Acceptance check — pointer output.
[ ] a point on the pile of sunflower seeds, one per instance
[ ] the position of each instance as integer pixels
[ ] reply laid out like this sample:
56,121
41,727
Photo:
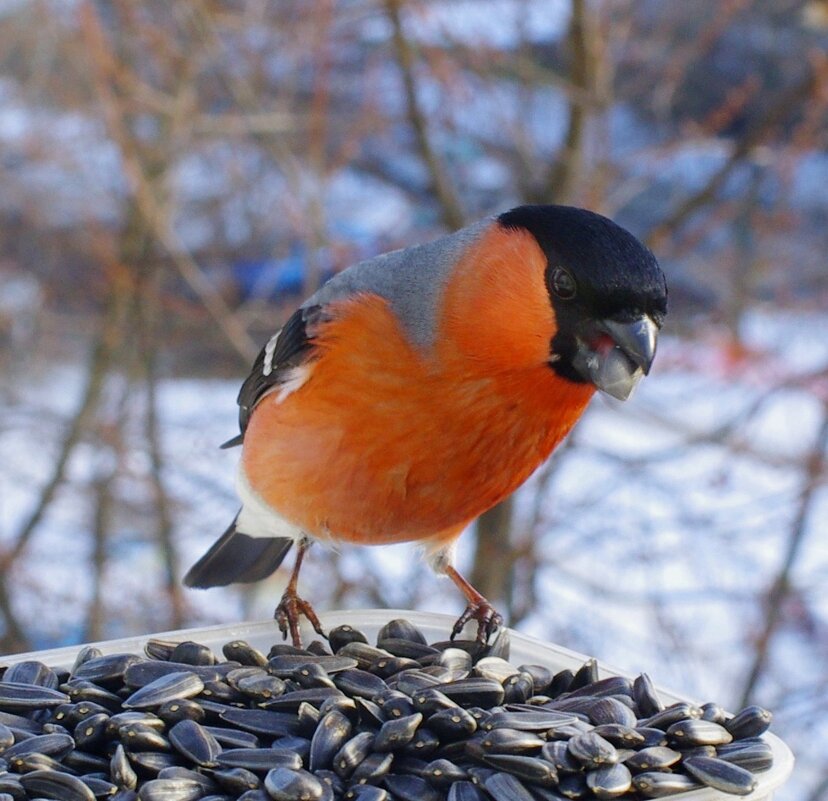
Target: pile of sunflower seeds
403,719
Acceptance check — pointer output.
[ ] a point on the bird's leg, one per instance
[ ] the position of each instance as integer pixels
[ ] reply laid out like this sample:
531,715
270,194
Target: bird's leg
478,608
292,606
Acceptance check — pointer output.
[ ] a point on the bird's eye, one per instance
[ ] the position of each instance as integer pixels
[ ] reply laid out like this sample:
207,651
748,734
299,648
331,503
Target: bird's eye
563,284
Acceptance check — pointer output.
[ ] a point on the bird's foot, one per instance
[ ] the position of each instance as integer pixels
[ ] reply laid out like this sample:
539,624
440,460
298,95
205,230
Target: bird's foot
487,617
287,614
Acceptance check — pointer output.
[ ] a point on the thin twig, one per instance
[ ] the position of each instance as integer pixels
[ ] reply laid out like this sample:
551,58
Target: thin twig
781,587
786,104
96,374
148,325
96,616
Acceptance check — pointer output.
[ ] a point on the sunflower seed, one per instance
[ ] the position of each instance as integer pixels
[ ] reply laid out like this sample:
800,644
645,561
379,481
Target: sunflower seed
721,775
340,636
27,763
561,682
408,649
285,666
121,770
259,760
620,735
592,750
397,733
194,742
495,668
646,697
517,689
192,653
333,731
53,784
364,654
310,675
31,672
54,745
452,724
91,732
714,712
372,768
284,784
19,697
681,710
106,669
168,687
528,769
508,741
505,787
653,758
233,738
750,722
609,781
411,788
149,763
474,691
652,737
171,712
262,721
359,683
352,753
558,754
756,757
140,737
430,700
245,654
465,791
142,673
656,784
293,700
237,780
101,788
698,732
170,790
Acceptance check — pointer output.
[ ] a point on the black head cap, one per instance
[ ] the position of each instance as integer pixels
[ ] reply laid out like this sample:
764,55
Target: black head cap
615,273
596,271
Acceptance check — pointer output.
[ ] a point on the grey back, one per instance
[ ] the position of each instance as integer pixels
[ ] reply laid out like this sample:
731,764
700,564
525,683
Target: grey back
412,280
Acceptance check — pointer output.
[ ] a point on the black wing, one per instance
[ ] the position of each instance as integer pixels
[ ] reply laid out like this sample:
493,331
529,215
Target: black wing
293,347
237,557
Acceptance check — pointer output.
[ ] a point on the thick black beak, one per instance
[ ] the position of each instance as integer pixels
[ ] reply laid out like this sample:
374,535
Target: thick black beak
616,368
637,339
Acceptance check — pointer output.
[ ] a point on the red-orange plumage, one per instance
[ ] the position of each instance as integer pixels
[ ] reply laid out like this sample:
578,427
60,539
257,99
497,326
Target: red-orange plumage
387,442
417,389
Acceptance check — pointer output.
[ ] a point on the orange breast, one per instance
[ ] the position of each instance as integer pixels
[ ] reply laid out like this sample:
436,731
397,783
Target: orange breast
387,443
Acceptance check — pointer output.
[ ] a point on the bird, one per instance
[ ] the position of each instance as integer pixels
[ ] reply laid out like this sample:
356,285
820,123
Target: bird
416,390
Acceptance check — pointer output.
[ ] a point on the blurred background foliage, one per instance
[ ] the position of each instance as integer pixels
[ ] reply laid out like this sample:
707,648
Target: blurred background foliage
175,176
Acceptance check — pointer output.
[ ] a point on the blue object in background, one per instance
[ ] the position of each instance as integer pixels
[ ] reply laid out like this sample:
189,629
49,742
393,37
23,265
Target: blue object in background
273,278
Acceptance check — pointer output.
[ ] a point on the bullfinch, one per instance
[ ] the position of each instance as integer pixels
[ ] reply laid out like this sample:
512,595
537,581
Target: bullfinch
417,389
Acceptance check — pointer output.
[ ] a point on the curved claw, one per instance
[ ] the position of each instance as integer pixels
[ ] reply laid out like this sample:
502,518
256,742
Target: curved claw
487,617
287,615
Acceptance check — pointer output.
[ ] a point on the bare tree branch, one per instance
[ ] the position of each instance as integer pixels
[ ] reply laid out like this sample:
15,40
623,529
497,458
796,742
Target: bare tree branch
563,175
146,190
450,206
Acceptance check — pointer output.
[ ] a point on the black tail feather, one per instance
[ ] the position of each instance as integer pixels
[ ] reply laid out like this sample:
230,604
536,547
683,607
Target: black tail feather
237,557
